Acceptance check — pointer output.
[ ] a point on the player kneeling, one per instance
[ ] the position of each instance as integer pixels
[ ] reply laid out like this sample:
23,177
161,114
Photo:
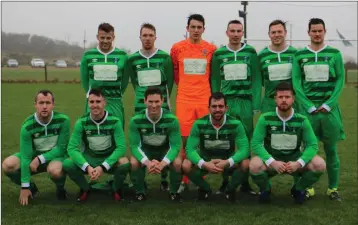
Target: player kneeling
104,148
276,142
217,144
155,143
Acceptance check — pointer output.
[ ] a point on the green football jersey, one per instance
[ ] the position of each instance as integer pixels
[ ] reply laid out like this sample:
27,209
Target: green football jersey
101,139
275,67
236,74
104,71
47,141
155,138
318,77
155,70
275,138
206,142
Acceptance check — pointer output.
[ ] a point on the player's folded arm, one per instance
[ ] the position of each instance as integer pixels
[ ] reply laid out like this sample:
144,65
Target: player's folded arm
311,143
175,142
134,142
242,145
26,150
192,146
74,146
120,149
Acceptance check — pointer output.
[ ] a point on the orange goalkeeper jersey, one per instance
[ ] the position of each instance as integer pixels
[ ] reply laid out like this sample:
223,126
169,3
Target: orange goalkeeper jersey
191,64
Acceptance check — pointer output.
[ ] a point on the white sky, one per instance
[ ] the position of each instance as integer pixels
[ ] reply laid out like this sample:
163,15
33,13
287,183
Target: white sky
68,20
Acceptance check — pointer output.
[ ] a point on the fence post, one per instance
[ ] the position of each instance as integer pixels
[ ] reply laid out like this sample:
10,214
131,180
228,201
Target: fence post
45,72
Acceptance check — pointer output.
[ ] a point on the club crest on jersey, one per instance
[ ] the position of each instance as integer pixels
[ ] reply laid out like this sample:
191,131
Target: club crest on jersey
246,59
94,60
115,60
326,59
158,65
273,128
290,59
205,52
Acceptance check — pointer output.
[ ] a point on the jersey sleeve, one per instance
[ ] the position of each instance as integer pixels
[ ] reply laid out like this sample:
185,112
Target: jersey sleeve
74,147
258,140
26,151
125,76
120,149
256,82
135,142
60,149
192,146
84,73
174,56
340,73
310,141
242,145
174,142
169,72
215,79
297,86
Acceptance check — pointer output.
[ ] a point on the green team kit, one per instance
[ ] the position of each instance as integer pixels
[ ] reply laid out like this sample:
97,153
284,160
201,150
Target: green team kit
236,75
106,72
48,142
318,79
104,145
206,142
278,139
275,67
155,70
158,140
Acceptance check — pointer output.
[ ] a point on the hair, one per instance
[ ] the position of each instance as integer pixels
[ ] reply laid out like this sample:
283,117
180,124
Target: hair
217,96
197,17
153,91
106,27
284,86
96,92
277,22
315,21
45,92
148,26
234,22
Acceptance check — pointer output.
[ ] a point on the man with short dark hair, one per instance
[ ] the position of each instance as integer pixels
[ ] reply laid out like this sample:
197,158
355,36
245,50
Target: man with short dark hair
318,78
103,67
276,143
104,148
234,71
217,144
43,141
155,144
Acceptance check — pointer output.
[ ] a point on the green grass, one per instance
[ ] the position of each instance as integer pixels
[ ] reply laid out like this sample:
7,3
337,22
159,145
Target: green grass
17,104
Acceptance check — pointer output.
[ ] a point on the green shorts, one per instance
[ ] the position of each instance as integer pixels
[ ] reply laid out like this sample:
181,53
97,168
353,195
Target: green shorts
93,161
114,106
242,109
42,167
328,127
269,105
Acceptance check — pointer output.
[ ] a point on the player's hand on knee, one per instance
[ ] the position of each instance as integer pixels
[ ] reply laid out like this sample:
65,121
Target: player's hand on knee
35,163
98,171
279,166
24,196
212,168
151,166
292,167
160,166
91,172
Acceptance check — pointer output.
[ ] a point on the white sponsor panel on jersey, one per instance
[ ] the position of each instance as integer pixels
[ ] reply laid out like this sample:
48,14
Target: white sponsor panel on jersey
235,71
105,72
316,73
154,140
44,144
283,141
149,78
100,143
280,71
195,66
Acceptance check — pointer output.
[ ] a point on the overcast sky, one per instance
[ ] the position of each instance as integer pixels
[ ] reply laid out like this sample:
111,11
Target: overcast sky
68,20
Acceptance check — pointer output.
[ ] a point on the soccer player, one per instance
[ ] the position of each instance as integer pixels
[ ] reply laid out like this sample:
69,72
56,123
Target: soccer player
276,143
148,67
191,62
104,148
234,71
155,144
275,64
318,78
217,144
43,141
102,68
